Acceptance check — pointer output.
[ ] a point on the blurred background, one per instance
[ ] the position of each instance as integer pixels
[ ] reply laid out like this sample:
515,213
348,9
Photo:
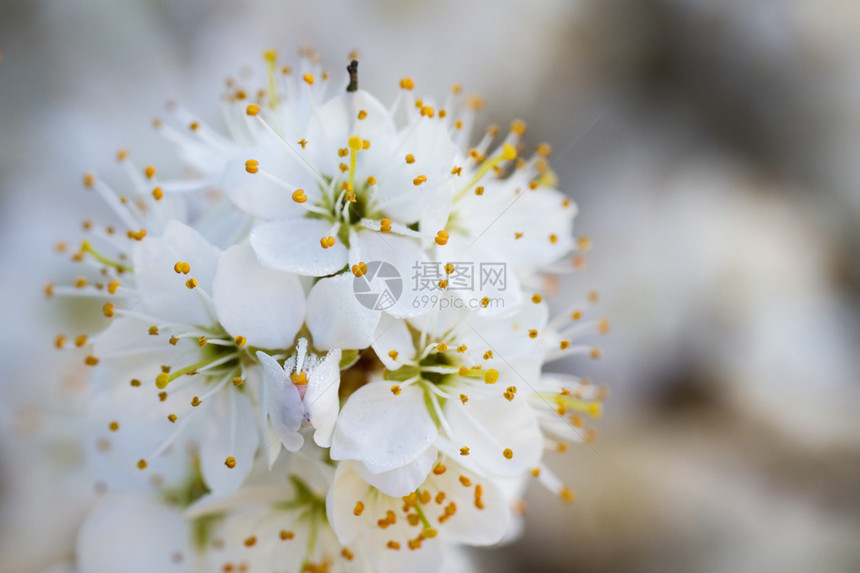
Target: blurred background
713,150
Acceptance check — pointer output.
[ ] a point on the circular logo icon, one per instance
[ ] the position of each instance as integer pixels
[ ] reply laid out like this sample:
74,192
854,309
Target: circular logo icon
380,287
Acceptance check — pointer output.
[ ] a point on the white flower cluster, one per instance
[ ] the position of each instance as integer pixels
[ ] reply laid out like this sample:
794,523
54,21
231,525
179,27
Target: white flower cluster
349,282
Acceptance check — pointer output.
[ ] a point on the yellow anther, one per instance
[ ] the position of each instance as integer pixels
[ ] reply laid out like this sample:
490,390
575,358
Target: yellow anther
195,401
347,554
518,127
327,242
427,111
343,152
476,102
135,382
595,353
465,481
365,144
354,142
443,284
536,298
458,124
449,268
60,340
419,180
270,55
359,508
346,185
240,340
194,126
441,347
385,225
309,79
230,462
456,171
407,84
464,451
252,109
464,398
81,282
360,269
603,326
172,418
508,453
149,171
396,390
191,283
162,396
362,114
141,464
566,495
162,380
303,142
108,309
371,180
393,354
491,376
299,196
485,301
553,238
393,545
509,152
112,286
493,130
153,330
250,541
89,180
410,158
238,381
286,535
158,194
80,340
479,190
441,238
533,333
442,114
113,426
462,348
173,340
252,166
463,371
299,378
122,155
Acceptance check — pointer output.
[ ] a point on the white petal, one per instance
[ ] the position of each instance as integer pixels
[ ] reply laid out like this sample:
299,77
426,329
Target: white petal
401,257
321,397
348,487
294,245
337,119
425,559
134,534
335,317
162,290
470,525
511,424
265,306
230,431
403,480
283,403
382,430
392,334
